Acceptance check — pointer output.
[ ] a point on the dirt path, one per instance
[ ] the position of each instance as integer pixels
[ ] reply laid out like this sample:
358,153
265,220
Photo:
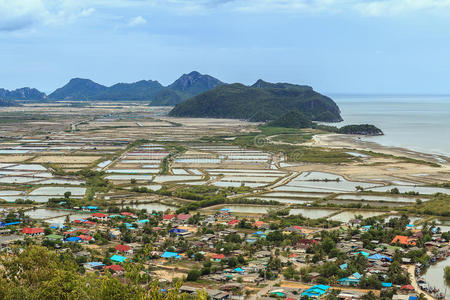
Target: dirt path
264,290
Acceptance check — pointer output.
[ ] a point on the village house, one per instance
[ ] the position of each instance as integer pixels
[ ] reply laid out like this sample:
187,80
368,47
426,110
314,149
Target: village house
32,231
100,217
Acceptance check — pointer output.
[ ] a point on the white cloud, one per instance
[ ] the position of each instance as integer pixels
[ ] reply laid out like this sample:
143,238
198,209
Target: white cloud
402,7
136,21
363,7
16,15
87,12
22,14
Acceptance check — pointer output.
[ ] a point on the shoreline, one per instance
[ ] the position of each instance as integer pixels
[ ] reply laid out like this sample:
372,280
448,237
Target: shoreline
334,140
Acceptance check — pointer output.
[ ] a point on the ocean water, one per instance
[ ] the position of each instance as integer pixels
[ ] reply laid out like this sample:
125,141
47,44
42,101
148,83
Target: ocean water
419,123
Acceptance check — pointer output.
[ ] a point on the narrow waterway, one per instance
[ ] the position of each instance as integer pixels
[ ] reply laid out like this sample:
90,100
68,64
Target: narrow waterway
434,276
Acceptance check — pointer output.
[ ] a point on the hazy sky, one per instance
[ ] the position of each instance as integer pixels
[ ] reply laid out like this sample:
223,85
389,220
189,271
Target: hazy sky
336,46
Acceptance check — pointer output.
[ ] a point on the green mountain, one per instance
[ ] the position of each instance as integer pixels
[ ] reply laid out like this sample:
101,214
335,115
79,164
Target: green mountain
262,101
292,119
194,83
141,90
167,97
185,87
78,89
22,94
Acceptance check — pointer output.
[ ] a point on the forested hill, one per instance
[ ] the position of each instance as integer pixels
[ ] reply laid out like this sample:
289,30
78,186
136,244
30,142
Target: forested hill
262,101
22,94
188,85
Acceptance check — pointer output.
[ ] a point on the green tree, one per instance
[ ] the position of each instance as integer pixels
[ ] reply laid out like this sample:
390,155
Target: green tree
193,275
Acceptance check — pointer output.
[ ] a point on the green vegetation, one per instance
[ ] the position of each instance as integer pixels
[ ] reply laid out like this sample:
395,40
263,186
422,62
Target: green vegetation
291,119
439,206
361,129
293,138
260,102
294,153
402,158
166,160
39,273
296,119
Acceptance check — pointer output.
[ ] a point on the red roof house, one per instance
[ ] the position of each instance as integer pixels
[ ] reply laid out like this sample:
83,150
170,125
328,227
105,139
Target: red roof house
306,243
127,214
233,222
218,256
168,217
123,248
184,217
407,287
99,216
115,268
258,224
85,237
404,240
32,231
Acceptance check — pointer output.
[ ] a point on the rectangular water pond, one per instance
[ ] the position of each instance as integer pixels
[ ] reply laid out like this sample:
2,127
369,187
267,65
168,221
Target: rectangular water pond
248,209
133,171
58,190
129,177
416,189
237,184
312,213
346,216
380,198
168,178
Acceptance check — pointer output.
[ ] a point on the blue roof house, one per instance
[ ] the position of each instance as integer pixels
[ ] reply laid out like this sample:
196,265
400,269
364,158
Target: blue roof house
316,291
363,253
168,254
118,258
73,239
94,265
351,280
9,224
379,257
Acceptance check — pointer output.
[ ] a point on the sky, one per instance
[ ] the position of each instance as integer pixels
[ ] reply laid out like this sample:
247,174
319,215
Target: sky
336,46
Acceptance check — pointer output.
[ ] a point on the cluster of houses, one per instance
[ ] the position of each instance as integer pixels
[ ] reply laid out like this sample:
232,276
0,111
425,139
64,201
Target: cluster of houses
239,270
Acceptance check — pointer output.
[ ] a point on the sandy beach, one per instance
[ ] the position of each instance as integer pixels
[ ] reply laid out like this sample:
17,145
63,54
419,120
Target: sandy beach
354,142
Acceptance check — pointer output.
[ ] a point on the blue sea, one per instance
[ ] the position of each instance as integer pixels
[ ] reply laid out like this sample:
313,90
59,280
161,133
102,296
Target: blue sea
419,123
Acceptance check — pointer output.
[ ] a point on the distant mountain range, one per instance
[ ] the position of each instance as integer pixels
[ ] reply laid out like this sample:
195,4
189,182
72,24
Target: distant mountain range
262,101
79,89
22,94
198,95
186,86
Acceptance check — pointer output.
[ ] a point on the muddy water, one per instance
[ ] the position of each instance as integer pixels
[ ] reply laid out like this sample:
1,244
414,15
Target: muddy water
435,276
